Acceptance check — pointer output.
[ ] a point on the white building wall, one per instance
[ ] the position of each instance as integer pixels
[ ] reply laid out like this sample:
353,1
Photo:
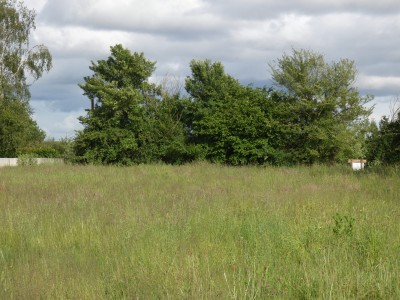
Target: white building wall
7,162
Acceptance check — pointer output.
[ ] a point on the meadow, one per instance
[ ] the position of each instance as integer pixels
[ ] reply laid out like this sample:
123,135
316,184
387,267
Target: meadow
199,231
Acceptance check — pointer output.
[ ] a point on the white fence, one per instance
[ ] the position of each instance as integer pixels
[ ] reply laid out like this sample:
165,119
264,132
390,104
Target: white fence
6,162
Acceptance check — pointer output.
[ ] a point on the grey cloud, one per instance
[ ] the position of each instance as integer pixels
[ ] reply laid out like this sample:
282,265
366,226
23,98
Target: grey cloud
60,97
378,93
133,18
383,68
260,9
60,87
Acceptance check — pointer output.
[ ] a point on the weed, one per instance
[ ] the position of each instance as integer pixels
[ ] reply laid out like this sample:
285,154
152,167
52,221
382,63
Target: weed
27,160
343,225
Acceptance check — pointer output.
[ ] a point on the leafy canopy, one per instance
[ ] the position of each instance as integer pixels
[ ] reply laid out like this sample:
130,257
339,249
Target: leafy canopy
323,111
20,65
229,121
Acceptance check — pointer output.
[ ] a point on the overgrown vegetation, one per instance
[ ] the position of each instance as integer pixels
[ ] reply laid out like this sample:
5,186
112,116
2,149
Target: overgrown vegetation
198,231
50,149
315,116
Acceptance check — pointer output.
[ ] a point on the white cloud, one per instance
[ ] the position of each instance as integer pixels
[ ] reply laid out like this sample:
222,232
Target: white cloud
288,28
169,17
379,82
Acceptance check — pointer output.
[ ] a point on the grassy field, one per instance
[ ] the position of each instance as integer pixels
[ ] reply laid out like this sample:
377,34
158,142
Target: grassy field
198,232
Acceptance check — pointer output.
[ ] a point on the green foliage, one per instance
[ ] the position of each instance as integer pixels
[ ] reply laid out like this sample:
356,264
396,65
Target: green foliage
229,121
383,143
19,63
17,129
130,122
343,225
27,160
48,149
40,151
317,117
322,112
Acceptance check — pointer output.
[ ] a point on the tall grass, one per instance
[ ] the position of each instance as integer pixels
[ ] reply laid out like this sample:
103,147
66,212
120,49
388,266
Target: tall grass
198,231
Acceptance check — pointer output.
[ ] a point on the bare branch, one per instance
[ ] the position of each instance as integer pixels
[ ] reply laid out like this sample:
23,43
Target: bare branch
394,108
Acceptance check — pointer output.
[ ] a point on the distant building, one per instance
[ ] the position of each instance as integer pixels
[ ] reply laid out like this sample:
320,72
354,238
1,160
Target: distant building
357,164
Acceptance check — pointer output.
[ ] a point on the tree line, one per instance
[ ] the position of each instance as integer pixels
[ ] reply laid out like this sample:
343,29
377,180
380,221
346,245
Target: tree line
314,113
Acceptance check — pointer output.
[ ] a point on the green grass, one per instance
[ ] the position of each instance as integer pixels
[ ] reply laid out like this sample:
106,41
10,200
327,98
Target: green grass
198,231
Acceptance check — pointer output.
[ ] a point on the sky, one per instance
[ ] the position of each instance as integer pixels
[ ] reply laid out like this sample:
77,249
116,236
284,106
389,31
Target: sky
246,36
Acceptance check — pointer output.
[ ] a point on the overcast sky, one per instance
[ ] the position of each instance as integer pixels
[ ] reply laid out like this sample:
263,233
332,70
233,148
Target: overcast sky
244,35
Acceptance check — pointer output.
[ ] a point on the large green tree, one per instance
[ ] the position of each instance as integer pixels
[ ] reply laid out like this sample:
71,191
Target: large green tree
20,65
131,120
230,122
322,112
